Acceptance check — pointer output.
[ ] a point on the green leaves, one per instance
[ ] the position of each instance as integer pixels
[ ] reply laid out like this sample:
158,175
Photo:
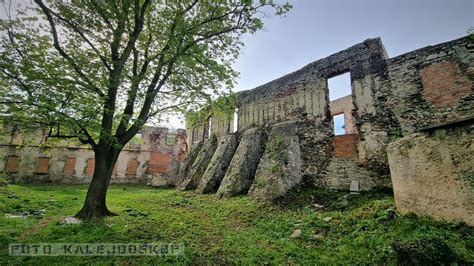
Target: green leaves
102,69
222,106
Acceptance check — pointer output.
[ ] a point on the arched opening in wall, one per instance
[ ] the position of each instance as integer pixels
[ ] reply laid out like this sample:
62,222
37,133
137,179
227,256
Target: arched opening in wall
236,120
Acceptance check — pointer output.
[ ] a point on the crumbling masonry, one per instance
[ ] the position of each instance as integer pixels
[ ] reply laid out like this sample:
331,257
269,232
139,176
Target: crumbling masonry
419,104
29,157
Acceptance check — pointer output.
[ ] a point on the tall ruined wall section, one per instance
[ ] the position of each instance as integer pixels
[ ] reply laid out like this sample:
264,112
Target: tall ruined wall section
304,96
431,92
420,105
30,158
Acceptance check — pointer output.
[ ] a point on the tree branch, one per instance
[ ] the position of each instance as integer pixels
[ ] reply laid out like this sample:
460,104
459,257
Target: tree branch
78,31
56,45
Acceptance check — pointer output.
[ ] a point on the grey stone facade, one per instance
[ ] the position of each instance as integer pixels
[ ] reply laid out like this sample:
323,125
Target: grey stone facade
390,98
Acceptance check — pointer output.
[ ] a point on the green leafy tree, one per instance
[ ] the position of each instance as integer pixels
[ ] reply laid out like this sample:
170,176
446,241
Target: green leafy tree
99,70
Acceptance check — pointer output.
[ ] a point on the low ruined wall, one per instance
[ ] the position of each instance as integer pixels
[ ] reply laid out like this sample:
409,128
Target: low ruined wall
34,161
433,173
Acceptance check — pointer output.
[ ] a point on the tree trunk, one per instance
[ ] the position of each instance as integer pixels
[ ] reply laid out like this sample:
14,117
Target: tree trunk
95,207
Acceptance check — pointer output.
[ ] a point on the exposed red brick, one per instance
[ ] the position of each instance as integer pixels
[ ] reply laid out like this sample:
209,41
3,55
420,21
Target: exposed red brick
132,167
159,162
444,85
90,167
69,166
12,164
345,146
42,165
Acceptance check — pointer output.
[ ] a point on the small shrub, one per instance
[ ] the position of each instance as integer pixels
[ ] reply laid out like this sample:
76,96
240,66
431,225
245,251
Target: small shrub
273,167
425,250
260,182
395,134
3,180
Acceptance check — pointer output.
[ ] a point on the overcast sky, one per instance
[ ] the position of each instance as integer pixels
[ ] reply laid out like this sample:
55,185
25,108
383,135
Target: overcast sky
314,29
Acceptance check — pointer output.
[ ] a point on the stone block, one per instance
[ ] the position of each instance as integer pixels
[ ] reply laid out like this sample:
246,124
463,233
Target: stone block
218,165
199,165
279,169
188,162
433,174
354,186
241,172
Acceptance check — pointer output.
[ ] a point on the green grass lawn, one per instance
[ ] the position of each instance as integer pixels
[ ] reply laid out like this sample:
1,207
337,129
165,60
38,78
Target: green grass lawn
359,230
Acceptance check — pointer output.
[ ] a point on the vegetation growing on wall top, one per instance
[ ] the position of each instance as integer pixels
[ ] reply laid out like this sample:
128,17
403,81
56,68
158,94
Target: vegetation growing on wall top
222,106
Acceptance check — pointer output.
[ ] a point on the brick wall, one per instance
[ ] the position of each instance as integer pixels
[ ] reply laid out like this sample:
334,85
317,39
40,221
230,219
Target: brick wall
69,166
431,86
344,106
90,166
159,162
345,146
72,164
42,165
132,167
444,85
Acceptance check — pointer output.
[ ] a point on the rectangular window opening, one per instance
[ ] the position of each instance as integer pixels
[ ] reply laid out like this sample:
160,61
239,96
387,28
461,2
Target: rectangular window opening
339,86
209,129
12,164
339,125
236,120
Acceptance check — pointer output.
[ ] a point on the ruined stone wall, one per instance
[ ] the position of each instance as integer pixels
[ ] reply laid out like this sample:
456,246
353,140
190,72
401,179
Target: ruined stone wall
30,158
218,125
431,93
221,125
197,132
286,125
302,97
432,86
